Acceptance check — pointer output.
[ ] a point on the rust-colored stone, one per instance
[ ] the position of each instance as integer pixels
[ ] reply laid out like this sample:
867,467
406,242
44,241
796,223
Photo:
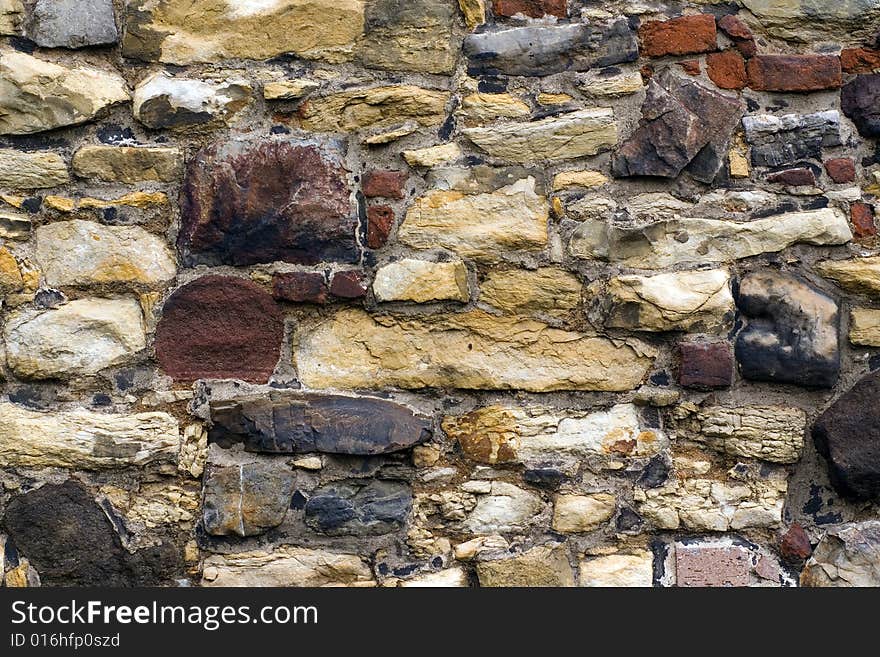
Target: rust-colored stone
532,8
862,219
348,285
734,27
219,327
705,365
726,69
794,546
794,72
380,219
860,60
793,177
251,201
300,286
841,170
688,35
385,183
690,66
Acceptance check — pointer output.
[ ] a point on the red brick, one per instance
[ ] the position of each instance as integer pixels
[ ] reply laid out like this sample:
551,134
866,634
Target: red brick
691,66
734,27
747,47
793,177
862,218
841,169
711,566
726,69
688,35
794,546
794,72
859,60
385,183
533,8
705,365
380,219
348,285
300,286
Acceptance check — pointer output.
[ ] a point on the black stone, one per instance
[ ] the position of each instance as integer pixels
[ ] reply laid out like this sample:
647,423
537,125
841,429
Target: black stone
860,101
359,507
655,473
793,138
548,478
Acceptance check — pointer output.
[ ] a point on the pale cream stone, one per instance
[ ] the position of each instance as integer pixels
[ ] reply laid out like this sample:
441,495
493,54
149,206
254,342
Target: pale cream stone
864,327
574,514
541,566
21,170
11,18
376,107
448,578
193,450
586,178
287,566
163,101
128,164
432,156
618,570
288,89
309,463
421,281
847,555
553,99
506,508
859,275
595,84
544,290
482,107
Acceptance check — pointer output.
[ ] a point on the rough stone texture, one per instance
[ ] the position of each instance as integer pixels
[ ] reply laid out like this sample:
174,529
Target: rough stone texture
566,136
684,125
864,327
287,566
627,570
72,23
845,434
37,95
545,290
791,336
582,513
187,31
21,170
846,556
711,565
859,60
687,35
698,300
793,177
780,140
76,339
375,108
472,350
246,499
308,422
859,275
858,101
300,287
127,164
794,72
162,101
83,253
421,281
841,169
85,440
11,17
384,183
546,49
358,508
727,69
804,20
705,365
540,566
380,222
219,327
533,8
259,200
861,216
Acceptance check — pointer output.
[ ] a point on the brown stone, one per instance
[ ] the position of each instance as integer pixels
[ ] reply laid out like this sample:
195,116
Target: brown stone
841,169
348,285
862,219
300,286
261,200
794,546
859,60
688,35
386,183
705,365
726,69
691,66
533,8
711,565
794,72
219,327
793,177
380,219
734,27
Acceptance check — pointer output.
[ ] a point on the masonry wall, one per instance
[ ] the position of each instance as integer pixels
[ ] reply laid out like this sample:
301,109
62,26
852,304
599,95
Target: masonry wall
426,292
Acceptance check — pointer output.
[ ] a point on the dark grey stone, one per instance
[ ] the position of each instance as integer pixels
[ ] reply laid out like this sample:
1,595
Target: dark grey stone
72,23
246,499
780,140
860,101
359,507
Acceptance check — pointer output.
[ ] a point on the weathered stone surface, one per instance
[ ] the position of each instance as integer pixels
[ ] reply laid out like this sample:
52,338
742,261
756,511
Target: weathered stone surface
545,290
348,284
380,222
76,339
20,170
769,433
846,435
507,508
432,155
36,95
743,39
574,514
547,49
246,499
219,327
687,35
248,201
794,72
375,108
859,101
606,84
474,12
85,253
162,101
858,275
359,507
448,578
533,8
72,23
793,177
10,274
481,107
40,523
421,281
848,555
283,89
300,286
711,565
127,164
478,225
540,566
469,350
684,126
705,365
410,35
85,440
697,241
794,546
190,31
11,17
862,217
542,437
567,136
631,570
860,60
726,69
307,422
791,335
696,300
586,178
286,566
385,183
864,327
781,140
803,20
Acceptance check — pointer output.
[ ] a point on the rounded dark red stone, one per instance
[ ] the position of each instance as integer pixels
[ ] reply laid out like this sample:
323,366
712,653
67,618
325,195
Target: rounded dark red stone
219,327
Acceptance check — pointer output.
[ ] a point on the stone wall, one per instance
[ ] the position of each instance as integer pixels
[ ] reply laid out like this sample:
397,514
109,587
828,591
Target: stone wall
439,292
